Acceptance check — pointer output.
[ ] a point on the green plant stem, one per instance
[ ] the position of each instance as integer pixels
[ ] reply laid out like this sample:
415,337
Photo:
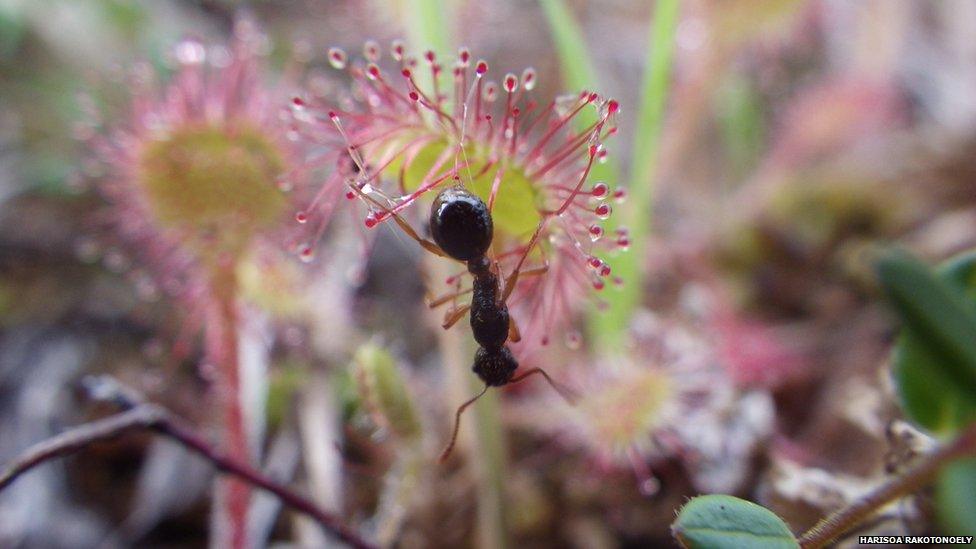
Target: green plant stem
913,480
577,66
610,327
481,437
429,27
490,467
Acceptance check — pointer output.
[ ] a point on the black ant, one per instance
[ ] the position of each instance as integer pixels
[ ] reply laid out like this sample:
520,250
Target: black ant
462,228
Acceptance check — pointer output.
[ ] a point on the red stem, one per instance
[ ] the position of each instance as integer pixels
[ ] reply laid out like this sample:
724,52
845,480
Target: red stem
222,352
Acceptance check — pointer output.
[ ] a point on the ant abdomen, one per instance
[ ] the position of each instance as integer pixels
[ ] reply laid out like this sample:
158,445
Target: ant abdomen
495,367
460,223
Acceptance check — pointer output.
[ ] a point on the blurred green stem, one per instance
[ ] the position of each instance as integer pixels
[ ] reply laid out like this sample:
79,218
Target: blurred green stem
609,328
485,451
579,73
430,28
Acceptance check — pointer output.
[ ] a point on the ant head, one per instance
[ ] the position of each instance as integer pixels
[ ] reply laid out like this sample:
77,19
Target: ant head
494,367
461,224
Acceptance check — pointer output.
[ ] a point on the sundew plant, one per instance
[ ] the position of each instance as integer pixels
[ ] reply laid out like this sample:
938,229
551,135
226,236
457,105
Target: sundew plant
487,274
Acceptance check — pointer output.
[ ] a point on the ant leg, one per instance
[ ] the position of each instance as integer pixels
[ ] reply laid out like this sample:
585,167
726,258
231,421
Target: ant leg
567,394
516,274
514,335
513,278
454,315
457,425
437,302
404,226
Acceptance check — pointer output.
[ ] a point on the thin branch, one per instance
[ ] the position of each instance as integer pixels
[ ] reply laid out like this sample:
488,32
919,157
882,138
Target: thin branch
844,520
152,417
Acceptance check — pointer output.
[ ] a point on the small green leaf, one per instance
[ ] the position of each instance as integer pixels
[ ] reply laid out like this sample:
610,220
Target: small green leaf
956,497
726,522
961,271
928,396
937,318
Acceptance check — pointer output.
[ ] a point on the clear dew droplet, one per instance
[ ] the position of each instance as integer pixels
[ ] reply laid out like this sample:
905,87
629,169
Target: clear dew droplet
306,253
620,194
370,220
529,78
371,50
596,232
600,189
396,50
337,58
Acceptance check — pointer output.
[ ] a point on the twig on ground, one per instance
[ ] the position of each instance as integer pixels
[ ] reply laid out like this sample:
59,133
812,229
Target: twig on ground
847,518
142,416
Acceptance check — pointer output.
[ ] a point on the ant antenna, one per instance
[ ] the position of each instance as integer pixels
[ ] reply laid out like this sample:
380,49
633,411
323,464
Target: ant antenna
568,395
457,425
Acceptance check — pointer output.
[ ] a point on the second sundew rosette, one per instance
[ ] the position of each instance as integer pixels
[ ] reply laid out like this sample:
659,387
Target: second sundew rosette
198,180
406,128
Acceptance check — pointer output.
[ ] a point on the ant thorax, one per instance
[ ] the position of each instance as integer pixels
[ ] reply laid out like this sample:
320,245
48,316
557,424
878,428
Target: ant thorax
489,316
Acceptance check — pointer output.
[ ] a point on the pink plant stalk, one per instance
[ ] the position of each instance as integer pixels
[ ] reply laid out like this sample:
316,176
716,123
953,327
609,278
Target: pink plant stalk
399,136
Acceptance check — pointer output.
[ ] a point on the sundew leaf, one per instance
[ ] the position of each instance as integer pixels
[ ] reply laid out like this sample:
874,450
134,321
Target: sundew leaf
956,497
727,522
516,208
935,357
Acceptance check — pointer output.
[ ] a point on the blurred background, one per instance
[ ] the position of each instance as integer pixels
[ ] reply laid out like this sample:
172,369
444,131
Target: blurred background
794,137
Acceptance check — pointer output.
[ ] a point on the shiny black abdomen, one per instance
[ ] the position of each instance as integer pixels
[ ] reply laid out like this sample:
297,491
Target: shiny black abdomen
460,224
